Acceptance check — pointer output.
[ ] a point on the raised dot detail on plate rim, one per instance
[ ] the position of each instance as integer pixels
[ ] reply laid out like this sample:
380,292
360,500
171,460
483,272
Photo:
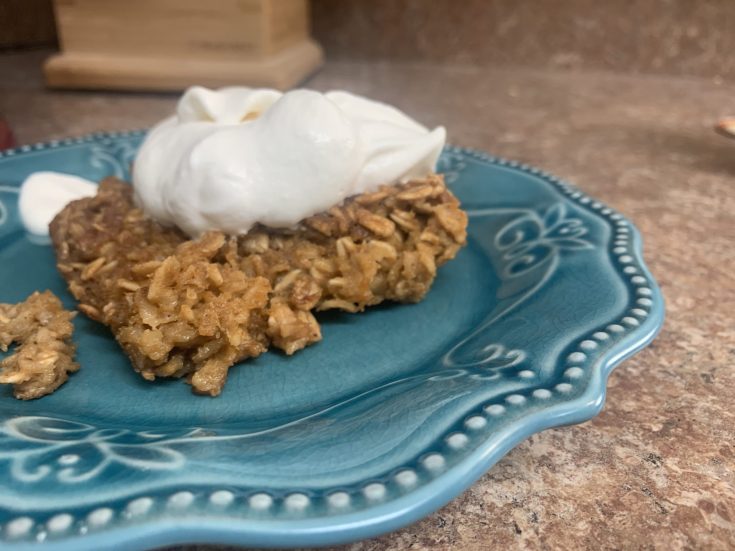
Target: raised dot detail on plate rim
296,501
181,500
457,440
515,399
374,491
576,357
406,478
574,372
19,527
630,269
588,345
639,312
494,410
646,291
542,393
260,501
639,280
100,517
475,422
564,387
139,506
629,320
645,301
615,328
526,374
625,259
60,523
620,250
339,499
601,336
433,461
221,498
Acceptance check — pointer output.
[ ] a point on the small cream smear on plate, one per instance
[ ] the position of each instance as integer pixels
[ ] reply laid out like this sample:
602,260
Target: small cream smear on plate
44,194
232,158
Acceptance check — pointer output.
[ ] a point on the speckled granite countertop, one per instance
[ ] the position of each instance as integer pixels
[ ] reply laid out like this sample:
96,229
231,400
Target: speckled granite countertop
656,470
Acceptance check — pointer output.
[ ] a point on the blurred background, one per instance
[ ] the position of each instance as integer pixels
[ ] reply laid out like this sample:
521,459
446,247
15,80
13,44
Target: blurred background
681,37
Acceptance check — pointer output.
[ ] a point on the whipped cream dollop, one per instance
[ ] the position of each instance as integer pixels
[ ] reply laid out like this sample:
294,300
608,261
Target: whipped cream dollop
44,194
236,157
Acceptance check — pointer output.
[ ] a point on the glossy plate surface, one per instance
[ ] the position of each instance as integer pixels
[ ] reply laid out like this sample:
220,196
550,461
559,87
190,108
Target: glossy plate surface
393,414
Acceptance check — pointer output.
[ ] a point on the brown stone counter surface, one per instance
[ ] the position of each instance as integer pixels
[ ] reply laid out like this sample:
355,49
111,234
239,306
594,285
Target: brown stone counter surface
656,469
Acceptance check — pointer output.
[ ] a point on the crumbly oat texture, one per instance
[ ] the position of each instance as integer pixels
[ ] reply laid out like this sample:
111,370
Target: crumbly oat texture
193,308
44,356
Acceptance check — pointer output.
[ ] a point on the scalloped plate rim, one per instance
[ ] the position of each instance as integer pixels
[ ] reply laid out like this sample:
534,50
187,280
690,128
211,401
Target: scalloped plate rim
395,513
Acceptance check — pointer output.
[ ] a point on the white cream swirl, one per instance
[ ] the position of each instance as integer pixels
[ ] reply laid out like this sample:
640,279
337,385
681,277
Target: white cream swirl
236,157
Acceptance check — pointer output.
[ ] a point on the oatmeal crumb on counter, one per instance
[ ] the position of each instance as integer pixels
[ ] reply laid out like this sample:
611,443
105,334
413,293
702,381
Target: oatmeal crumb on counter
44,357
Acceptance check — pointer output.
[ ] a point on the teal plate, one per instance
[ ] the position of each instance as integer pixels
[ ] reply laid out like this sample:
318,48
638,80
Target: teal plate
393,414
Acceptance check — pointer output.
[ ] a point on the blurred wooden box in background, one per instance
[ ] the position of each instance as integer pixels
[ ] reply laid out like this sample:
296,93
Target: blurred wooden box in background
172,44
